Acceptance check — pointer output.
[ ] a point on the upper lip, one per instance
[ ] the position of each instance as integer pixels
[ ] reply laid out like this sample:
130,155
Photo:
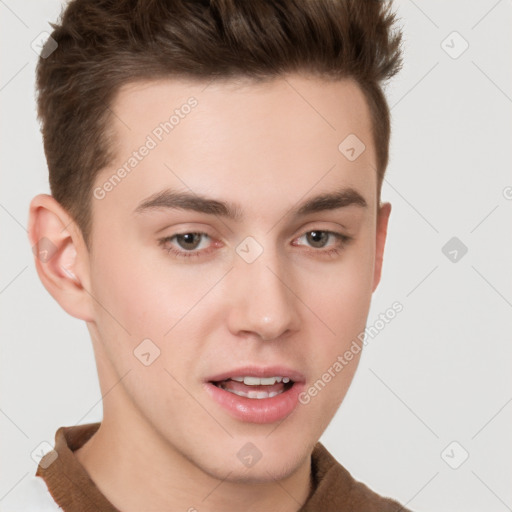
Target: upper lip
258,371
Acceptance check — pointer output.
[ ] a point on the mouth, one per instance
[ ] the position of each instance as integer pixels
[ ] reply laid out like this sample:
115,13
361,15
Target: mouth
255,387
257,395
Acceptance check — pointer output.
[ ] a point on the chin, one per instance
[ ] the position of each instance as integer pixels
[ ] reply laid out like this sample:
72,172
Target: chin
259,474
255,462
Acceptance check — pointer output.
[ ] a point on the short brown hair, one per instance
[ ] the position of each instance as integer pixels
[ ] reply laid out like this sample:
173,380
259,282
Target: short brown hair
104,44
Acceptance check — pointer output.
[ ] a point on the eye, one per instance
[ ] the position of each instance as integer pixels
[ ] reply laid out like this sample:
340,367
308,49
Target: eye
318,239
189,241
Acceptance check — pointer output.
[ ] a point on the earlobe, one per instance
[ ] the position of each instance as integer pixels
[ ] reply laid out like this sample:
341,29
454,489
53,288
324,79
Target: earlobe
60,256
380,241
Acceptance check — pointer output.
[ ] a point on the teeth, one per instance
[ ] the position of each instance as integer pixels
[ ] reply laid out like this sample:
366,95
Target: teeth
258,395
256,381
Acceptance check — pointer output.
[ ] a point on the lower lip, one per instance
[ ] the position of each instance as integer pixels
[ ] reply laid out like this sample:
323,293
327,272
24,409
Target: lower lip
254,410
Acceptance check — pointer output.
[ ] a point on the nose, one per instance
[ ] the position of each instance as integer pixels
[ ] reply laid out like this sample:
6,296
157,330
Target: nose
263,301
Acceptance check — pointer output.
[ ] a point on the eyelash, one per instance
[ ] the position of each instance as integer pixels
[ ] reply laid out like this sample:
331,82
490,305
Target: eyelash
343,239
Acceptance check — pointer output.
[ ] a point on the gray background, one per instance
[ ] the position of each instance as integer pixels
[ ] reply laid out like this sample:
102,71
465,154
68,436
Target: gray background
438,373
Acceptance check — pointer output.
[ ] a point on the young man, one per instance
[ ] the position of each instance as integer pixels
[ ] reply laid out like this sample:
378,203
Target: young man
216,220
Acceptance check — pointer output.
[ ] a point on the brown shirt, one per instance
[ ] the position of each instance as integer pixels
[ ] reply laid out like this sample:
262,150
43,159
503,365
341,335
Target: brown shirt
334,489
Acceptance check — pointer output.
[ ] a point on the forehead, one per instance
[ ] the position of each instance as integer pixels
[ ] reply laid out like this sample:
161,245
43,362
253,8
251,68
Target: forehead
305,105
240,139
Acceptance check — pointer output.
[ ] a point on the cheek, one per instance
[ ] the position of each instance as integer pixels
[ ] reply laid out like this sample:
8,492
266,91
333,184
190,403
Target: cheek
340,293
341,300
145,295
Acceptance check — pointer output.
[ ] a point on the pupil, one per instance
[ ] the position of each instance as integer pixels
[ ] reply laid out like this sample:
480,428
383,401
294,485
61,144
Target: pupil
189,239
318,236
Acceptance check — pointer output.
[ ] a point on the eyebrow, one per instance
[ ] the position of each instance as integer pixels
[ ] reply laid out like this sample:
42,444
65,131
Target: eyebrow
172,199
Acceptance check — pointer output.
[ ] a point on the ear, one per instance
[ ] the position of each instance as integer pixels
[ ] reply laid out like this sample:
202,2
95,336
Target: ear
60,256
381,232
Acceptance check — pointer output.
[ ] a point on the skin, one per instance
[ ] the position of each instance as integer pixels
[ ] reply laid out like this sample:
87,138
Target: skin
164,444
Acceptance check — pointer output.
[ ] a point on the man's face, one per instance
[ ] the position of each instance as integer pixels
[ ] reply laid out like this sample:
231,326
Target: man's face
274,287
